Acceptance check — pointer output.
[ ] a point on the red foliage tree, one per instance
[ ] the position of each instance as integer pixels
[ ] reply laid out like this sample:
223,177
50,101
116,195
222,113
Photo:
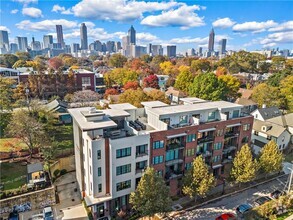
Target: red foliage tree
55,63
111,91
131,85
151,81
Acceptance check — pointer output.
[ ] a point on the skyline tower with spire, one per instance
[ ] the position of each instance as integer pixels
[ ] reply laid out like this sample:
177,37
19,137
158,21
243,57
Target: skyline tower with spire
211,40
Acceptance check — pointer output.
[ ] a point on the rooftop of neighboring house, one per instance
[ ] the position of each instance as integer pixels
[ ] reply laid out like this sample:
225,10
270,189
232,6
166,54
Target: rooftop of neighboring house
192,100
268,128
245,93
55,104
269,112
175,92
245,102
283,120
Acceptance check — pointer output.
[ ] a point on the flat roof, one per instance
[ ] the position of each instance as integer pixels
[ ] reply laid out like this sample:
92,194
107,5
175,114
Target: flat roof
192,100
85,125
153,104
122,106
116,113
168,110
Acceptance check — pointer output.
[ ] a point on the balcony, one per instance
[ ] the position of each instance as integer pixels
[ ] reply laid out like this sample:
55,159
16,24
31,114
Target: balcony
173,146
229,148
172,174
231,134
204,154
205,139
141,154
227,159
139,170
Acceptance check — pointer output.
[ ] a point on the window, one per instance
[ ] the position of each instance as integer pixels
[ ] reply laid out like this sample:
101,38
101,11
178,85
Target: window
123,185
141,149
99,154
86,81
99,171
183,119
246,127
216,158
158,144
256,133
188,166
269,137
158,159
190,152
218,146
100,188
190,138
90,154
90,169
172,155
141,165
124,152
235,114
123,169
245,139
219,132
211,115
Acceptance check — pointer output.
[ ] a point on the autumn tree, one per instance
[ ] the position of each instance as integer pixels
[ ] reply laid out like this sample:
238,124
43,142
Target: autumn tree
276,78
221,70
55,63
286,88
168,68
149,202
184,79
131,85
271,158
23,55
268,95
28,129
85,97
120,76
134,97
8,60
110,91
198,180
244,166
203,65
232,84
6,93
157,95
117,60
151,81
19,63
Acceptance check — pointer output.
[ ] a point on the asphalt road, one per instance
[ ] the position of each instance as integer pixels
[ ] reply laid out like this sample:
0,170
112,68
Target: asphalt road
229,204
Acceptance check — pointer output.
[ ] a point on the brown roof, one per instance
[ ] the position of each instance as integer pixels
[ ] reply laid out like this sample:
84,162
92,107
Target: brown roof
273,129
246,93
175,92
284,120
245,102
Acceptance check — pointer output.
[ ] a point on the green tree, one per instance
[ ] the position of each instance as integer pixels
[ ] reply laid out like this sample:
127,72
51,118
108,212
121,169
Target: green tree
232,84
151,195
286,88
268,95
28,129
203,65
276,78
6,93
117,60
207,86
244,166
134,97
23,55
8,60
184,79
198,180
271,158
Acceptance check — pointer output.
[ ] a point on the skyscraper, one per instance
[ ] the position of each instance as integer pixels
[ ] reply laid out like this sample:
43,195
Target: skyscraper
74,47
59,31
222,46
4,41
83,37
211,40
22,43
171,51
131,35
47,40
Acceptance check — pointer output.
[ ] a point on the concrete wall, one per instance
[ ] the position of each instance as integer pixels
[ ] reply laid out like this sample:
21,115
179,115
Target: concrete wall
67,163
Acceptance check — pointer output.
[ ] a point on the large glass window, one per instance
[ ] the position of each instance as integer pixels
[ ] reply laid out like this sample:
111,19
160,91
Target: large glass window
123,169
141,149
158,144
190,138
158,159
218,146
124,152
172,154
216,158
246,127
190,152
99,171
235,114
212,115
86,81
188,166
183,119
123,185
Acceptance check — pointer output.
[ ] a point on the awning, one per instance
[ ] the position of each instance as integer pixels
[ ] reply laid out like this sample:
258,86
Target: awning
217,166
208,129
233,125
176,135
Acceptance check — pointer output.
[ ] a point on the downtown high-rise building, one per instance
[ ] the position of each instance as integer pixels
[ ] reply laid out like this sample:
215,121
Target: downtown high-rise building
35,45
222,46
132,35
59,32
47,40
74,47
83,37
4,40
211,40
22,43
171,51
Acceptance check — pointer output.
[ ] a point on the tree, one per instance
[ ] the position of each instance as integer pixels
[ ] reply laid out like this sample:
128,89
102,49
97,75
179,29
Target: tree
110,91
85,96
244,166
121,76
55,63
286,88
157,95
131,85
184,79
8,60
207,86
263,67
221,70
198,180
151,81
168,68
232,84
6,93
117,60
271,158
23,55
134,97
202,65
28,129
268,95
19,63
276,78
151,195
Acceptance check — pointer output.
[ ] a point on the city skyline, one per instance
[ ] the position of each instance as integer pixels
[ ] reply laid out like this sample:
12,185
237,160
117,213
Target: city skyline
155,22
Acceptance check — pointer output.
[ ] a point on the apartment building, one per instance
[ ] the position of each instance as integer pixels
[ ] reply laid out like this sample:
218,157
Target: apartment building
113,146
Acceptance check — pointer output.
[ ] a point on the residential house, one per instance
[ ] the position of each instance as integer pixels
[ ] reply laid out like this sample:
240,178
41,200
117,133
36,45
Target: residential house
249,105
264,114
174,95
60,108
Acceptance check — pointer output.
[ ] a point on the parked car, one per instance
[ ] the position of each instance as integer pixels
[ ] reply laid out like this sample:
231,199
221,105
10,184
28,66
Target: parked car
276,194
261,200
48,213
226,216
243,208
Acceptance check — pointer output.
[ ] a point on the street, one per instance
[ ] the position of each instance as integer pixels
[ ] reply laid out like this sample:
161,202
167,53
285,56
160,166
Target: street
229,204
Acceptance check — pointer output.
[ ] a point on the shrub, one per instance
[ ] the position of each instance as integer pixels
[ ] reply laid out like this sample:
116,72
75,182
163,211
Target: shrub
56,173
63,171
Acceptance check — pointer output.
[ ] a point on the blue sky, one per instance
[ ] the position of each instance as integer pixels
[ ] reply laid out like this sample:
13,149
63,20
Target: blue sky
247,25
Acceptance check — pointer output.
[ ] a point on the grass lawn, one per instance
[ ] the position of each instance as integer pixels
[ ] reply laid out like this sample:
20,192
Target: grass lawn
9,144
12,172
284,216
64,135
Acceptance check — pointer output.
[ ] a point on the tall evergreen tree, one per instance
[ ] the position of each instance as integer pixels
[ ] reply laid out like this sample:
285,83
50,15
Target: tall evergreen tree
244,166
151,195
271,158
198,180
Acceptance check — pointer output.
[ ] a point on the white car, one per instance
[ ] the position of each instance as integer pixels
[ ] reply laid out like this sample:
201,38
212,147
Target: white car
48,213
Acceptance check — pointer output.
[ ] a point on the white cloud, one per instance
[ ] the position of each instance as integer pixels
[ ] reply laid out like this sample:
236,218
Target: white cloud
223,23
45,25
118,10
25,2
183,17
286,26
279,37
145,37
197,40
254,27
14,11
58,8
4,28
32,12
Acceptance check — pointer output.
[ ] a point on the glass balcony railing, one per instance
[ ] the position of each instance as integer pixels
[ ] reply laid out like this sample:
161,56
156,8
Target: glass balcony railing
205,139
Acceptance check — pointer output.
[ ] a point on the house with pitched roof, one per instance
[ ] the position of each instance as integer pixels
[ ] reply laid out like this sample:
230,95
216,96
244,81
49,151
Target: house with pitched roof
264,114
